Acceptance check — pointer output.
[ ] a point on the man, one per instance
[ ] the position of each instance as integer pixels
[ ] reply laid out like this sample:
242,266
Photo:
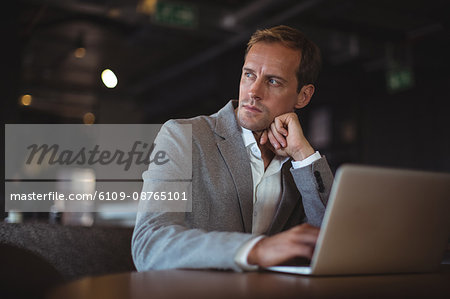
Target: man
259,189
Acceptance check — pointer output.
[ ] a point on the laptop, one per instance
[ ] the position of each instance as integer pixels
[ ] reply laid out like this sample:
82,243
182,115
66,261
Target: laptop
381,220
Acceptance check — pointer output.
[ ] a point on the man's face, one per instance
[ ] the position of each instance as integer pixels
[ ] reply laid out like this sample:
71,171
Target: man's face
268,85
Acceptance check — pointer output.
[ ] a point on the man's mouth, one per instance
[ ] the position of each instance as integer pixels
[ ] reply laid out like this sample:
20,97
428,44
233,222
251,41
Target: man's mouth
251,108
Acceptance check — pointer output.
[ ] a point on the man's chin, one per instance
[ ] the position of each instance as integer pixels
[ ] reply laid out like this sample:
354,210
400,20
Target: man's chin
255,124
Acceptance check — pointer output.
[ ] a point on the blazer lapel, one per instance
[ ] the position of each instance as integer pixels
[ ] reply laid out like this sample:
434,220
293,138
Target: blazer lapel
231,147
289,199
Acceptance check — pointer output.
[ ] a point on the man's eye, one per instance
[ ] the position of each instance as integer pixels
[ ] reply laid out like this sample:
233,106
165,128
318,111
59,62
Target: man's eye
274,82
248,75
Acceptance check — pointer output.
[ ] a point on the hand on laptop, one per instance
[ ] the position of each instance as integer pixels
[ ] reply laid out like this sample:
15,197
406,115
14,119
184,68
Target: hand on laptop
298,241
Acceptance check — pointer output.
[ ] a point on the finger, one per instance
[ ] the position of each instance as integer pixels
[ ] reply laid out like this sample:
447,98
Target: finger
263,139
291,250
273,140
276,253
306,227
304,234
280,138
280,248
280,126
311,231
306,239
303,251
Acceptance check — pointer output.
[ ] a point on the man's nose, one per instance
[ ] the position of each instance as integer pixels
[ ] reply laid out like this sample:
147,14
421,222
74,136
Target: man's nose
256,90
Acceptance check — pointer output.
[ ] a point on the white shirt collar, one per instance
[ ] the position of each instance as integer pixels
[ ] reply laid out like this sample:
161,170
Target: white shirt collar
250,141
248,137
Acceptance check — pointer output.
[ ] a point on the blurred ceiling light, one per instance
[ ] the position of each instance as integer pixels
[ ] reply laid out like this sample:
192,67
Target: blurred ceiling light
88,118
114,13
147,7
26,99
79,52
80,47
109,78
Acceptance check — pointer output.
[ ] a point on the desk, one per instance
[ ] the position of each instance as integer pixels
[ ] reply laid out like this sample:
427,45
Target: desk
222,284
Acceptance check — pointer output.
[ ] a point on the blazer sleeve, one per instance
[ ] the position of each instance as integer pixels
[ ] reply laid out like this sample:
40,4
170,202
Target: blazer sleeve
314,183
163,241
166,239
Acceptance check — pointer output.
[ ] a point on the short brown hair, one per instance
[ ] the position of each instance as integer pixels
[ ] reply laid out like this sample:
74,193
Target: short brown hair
310,62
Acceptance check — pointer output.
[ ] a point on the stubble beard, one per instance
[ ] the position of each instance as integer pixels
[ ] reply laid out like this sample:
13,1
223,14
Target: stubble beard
258,125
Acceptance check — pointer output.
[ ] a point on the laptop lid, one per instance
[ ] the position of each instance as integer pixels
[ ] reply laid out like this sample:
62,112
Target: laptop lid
382,220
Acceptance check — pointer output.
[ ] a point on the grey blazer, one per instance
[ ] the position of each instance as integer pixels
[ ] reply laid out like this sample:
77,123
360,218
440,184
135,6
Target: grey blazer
221,218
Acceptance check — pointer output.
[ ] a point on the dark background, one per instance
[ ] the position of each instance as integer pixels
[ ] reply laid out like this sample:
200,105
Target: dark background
167,70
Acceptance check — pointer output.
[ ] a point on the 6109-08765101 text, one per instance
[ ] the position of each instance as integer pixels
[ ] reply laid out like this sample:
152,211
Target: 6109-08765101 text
102,196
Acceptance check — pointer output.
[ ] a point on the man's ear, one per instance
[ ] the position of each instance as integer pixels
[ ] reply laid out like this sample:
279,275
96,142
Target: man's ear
304,96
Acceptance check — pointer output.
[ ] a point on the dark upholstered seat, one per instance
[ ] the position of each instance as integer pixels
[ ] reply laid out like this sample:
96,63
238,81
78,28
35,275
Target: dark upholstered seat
24,274
61,253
